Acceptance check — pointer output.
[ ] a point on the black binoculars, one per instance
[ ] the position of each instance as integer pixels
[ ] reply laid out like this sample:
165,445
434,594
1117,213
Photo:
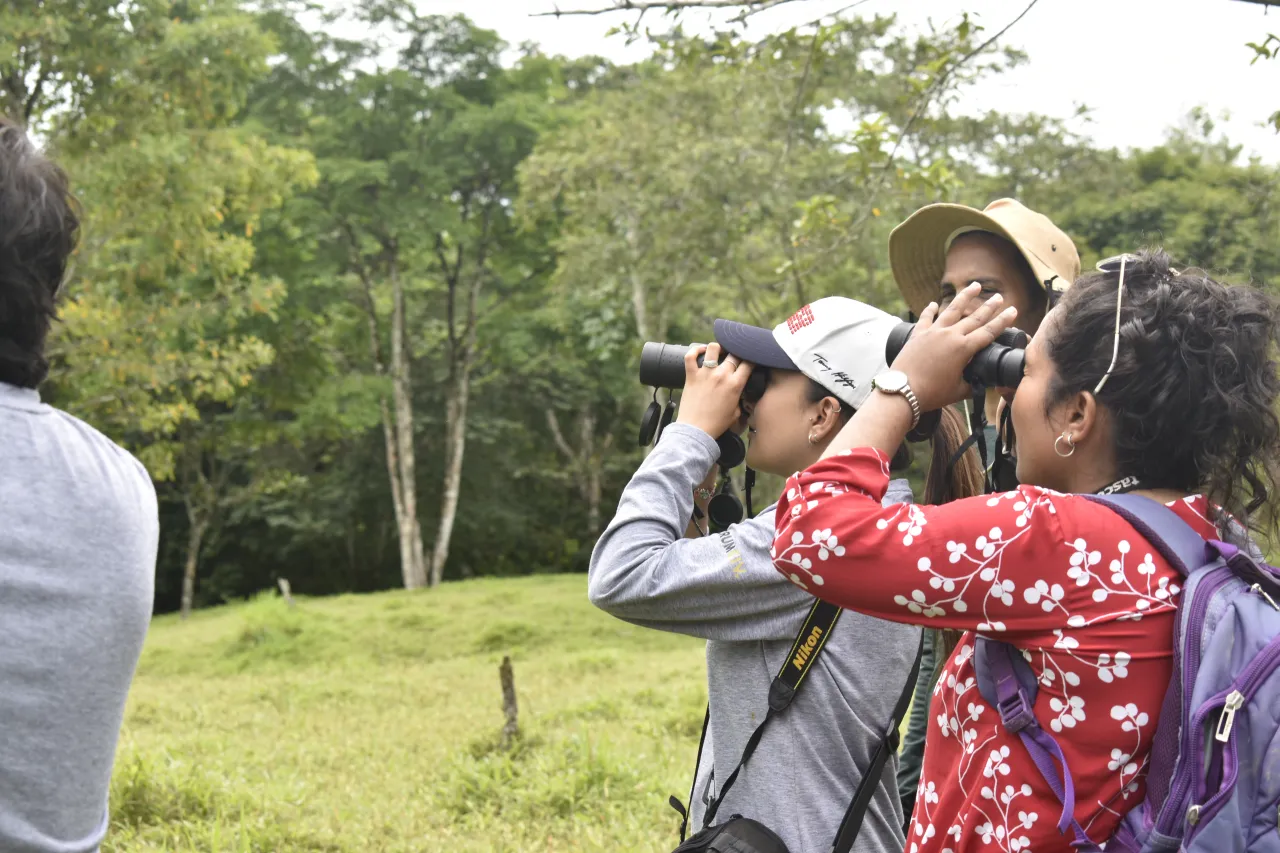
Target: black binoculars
998,365
662,366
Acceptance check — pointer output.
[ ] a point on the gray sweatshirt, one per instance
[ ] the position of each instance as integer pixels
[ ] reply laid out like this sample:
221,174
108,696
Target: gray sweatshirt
724,588
78,533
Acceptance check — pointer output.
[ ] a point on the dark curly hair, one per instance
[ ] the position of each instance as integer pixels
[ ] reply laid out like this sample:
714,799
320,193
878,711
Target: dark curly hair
39,225
1192,398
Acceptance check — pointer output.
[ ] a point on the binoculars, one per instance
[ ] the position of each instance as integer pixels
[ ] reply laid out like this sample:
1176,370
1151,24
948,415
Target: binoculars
1000,364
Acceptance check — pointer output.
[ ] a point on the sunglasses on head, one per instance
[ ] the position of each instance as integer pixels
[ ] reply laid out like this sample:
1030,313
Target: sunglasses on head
1117,264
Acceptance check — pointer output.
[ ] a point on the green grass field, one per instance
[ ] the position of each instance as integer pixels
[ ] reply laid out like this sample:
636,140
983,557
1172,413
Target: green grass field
369,723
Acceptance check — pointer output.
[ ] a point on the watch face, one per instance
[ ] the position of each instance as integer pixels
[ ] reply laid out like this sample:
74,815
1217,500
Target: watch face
892,381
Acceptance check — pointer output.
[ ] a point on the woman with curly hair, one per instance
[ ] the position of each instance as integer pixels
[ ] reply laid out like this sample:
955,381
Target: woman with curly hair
1162,383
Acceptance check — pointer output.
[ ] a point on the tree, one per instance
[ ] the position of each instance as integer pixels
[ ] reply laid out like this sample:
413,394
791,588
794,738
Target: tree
417,158
138,99
711,183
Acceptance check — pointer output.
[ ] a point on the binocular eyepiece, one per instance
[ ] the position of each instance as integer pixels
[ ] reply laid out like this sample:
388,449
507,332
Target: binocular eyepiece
998,365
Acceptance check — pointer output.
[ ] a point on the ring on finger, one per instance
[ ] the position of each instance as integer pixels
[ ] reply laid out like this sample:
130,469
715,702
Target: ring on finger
710,362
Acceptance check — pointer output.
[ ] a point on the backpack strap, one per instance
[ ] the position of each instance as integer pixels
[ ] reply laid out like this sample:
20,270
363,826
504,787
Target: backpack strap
1006,681
813,635
1176,541
1186,552
1005,678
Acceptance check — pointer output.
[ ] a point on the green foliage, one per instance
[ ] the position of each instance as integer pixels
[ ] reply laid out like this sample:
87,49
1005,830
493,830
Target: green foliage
157,803
253,180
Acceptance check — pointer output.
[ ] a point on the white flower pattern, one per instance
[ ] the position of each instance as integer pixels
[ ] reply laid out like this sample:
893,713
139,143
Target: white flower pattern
1003,566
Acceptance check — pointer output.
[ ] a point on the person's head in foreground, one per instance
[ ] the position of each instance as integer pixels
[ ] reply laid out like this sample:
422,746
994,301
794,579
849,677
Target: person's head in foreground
1163,385
1183,402
39,223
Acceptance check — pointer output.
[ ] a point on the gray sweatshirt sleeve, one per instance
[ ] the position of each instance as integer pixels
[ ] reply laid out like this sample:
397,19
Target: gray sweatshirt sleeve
718,587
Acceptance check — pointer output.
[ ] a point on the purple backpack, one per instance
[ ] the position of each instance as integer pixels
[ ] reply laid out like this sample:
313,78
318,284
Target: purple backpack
1213,785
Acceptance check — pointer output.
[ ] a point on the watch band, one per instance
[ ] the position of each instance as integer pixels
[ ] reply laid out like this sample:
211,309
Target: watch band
906,393
915,405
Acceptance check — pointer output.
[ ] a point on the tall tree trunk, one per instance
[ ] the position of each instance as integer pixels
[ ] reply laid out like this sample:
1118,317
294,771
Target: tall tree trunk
397,428
412,558
455,444
586,462
195,537
591,470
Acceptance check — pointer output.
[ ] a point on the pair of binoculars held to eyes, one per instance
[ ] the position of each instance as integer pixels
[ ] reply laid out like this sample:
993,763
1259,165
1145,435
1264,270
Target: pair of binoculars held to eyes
1000,364
662,366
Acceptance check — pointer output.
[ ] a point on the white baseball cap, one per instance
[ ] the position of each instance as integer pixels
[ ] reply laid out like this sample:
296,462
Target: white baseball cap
837,342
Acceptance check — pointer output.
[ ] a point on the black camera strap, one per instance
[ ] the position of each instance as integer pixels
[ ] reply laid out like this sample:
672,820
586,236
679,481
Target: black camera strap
888,746
804,652
813,635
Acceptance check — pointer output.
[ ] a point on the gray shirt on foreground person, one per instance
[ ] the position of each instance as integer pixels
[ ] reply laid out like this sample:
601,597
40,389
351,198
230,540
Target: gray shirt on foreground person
725,589
78,535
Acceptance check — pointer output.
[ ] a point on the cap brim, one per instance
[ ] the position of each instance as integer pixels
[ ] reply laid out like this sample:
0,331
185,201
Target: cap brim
753,344
918,249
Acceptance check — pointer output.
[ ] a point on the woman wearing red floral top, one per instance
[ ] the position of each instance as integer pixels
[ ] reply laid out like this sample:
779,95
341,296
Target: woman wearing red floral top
1182,411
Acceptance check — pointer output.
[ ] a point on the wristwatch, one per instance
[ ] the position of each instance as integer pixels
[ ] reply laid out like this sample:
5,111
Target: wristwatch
895,382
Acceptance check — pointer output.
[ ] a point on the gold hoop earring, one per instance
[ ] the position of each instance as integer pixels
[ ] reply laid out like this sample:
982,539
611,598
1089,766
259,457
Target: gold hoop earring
1070,443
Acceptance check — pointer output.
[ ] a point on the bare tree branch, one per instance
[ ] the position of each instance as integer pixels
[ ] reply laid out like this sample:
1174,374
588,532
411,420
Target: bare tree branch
554,423
923,102
749,7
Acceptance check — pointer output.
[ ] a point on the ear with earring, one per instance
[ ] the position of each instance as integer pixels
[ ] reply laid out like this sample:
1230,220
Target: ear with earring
812,440
1071,445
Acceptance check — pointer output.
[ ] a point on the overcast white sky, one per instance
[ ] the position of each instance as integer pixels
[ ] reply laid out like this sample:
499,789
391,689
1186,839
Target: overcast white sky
1140,64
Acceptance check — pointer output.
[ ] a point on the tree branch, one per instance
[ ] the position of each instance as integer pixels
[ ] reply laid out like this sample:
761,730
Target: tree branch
923,102
33,98
375,335
554,424
749,7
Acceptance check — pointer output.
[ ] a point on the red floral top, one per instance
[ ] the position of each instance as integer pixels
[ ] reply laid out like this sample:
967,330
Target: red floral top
1070,583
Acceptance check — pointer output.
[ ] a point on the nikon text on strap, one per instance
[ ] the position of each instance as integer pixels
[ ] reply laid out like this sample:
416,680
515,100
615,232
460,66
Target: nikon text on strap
813,635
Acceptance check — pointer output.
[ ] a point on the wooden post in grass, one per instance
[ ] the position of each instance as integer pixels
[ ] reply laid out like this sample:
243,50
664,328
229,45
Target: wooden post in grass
285,590
510,730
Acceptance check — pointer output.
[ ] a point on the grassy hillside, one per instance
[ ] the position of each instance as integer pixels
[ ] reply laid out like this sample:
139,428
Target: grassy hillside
369,723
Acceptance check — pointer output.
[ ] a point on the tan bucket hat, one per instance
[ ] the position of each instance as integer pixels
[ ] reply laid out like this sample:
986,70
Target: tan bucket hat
918,247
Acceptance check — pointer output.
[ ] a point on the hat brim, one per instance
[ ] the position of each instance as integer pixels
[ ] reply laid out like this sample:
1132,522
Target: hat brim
918,249
753,344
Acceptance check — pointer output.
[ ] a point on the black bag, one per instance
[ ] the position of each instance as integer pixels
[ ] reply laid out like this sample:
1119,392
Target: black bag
737,835
743,835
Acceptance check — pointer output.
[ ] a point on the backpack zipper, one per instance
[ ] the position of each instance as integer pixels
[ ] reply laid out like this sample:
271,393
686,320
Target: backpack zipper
1235,700
1238,694
1257,587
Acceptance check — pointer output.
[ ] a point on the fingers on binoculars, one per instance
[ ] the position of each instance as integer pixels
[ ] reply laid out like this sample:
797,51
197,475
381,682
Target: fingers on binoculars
927,316
980,315
993,321
962,304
